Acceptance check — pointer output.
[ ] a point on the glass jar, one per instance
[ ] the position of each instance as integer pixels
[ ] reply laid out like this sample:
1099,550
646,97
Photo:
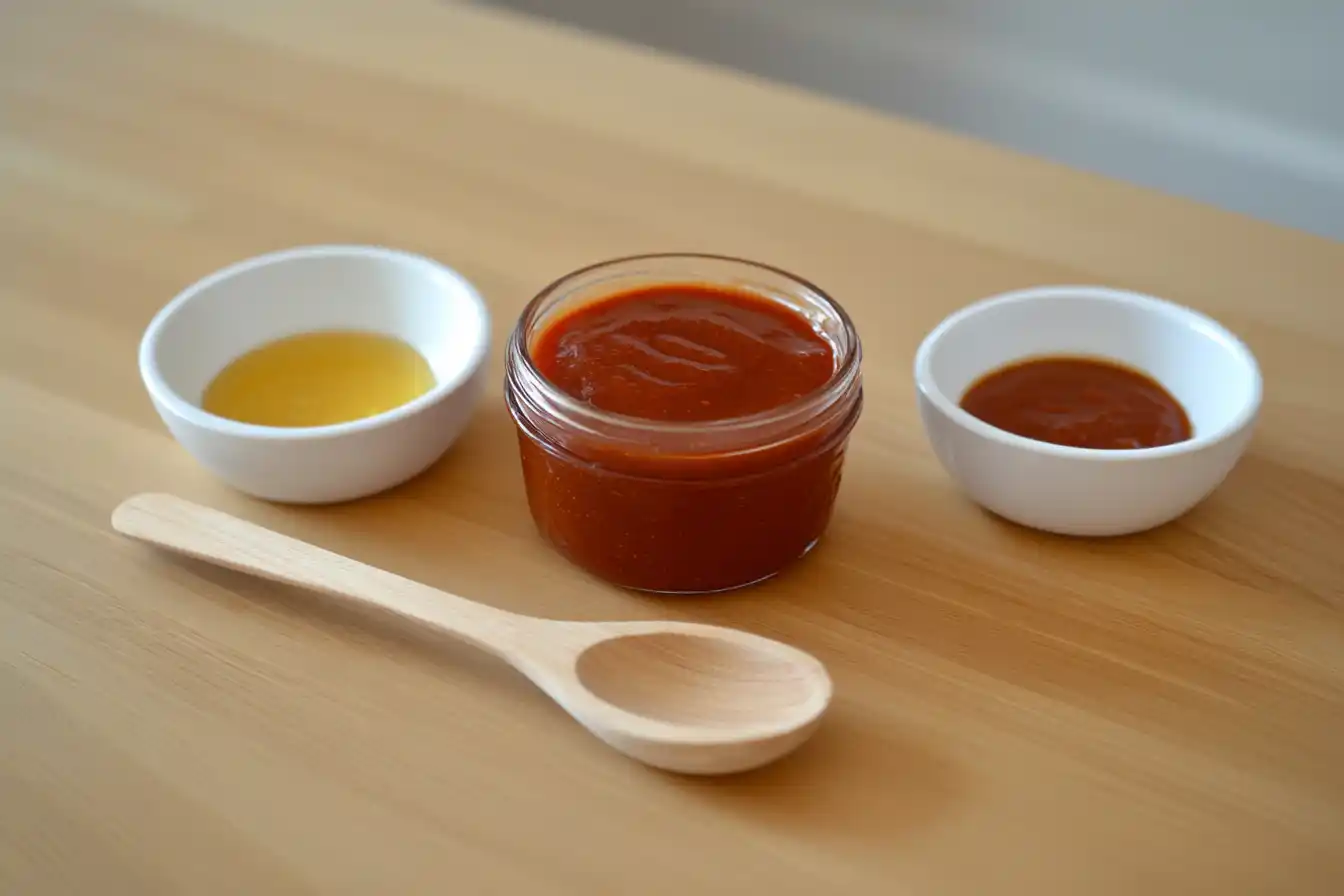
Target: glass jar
682,507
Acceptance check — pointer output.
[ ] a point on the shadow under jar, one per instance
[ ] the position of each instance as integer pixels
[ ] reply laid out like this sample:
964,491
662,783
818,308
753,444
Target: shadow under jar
649,497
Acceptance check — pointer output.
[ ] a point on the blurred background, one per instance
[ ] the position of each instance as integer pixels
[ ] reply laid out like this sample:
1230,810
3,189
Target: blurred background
1237,103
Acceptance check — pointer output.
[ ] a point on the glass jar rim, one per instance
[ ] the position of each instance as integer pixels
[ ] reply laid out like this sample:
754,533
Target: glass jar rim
845,373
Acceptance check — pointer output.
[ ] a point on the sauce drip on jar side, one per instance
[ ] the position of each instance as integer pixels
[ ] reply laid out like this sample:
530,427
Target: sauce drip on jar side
1078,402
684,353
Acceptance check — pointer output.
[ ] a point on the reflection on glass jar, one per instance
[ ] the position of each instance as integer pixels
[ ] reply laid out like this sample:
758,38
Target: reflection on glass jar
710,476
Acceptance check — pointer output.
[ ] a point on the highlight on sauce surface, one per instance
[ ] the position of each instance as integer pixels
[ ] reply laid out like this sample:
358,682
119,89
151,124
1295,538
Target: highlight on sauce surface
1079,402
684,353
705,449
319,379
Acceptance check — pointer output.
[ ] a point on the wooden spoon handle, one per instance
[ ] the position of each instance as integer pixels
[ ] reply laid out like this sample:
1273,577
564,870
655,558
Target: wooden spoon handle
216,537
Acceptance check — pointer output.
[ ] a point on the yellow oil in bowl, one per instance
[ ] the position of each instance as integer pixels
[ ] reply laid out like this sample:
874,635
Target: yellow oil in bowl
319,379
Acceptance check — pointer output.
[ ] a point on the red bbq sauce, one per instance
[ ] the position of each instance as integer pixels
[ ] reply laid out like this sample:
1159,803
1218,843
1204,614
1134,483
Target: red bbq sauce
1078,402
706,497
684,353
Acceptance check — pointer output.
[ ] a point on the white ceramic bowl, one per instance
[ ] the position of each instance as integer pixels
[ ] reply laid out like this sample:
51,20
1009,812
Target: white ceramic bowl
1080,491
299,290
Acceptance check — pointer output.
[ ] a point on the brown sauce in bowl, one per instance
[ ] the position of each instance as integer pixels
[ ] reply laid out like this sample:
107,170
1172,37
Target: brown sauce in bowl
1079,402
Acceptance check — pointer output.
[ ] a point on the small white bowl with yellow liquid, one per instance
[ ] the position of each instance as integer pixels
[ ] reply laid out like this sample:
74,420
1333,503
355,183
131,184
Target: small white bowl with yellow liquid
321,373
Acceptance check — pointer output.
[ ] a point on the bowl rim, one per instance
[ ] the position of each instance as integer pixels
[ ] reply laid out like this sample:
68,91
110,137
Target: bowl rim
458,288
1176,314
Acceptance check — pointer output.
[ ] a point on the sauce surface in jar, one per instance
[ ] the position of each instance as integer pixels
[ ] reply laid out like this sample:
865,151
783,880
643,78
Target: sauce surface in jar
684,353
669,474
1078,402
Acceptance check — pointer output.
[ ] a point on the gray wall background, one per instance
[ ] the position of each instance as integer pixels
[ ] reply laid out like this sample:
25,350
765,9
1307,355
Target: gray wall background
1238,103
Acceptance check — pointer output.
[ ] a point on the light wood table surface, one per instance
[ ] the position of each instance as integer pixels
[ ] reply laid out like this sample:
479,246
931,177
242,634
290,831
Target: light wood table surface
1160,714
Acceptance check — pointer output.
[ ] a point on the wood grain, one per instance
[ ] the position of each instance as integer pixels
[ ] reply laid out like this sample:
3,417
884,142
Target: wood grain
1014,713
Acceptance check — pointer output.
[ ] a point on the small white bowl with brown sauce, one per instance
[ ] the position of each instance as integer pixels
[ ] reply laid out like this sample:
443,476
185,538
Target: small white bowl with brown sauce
321,373
1084,410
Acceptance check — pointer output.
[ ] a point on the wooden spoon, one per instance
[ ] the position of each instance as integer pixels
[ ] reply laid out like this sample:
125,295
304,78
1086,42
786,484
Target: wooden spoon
697,699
